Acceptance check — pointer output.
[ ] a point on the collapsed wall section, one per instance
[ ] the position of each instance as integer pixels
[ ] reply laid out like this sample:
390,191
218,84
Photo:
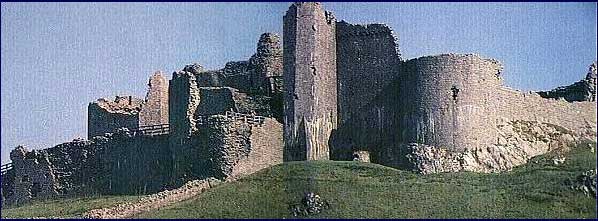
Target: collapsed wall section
310,93
584,90
253,76
105,116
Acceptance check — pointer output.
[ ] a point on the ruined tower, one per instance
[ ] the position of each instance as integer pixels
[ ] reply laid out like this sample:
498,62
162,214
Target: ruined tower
310,91
154,111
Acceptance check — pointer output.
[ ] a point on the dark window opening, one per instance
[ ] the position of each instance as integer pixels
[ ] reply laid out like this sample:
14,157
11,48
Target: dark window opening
35,189
455,92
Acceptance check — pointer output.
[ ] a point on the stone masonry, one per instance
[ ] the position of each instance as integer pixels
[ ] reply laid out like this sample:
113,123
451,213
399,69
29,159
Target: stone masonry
440,113
154,110
105,116
584,90
334,91
310,102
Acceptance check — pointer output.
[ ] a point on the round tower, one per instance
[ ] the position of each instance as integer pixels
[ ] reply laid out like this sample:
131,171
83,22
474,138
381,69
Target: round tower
447,100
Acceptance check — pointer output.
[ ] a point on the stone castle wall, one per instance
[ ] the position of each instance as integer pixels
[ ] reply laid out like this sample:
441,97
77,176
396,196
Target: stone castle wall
584,90
105,116
579,117
119,163
447,101
236,145
367,61
310,95
452,113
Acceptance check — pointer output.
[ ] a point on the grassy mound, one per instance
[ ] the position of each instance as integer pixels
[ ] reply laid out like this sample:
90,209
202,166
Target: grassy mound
363,190
67,207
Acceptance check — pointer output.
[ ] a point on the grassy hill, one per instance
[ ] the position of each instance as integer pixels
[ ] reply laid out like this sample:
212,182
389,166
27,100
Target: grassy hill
363,190
68,207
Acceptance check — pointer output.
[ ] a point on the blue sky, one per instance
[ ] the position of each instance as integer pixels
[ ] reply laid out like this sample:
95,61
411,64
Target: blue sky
57,57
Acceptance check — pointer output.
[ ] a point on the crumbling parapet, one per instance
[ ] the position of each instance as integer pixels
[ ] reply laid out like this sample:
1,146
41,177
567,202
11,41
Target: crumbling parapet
583,90
105,116
266,62
310,90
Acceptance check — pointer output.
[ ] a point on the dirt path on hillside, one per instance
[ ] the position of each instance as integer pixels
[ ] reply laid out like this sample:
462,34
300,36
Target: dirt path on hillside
154,201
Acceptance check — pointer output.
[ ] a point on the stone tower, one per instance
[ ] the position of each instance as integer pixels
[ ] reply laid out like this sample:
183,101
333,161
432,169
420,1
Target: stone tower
310,91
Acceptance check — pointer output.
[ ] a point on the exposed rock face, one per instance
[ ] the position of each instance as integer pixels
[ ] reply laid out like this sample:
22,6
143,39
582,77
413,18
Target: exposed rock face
518,142
584,90
311,204
361,156
586,183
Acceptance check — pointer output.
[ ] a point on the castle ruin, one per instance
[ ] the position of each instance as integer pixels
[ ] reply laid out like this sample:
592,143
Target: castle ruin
334,91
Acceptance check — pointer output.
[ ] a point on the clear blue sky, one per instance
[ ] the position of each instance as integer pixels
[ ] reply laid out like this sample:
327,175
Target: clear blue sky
57,57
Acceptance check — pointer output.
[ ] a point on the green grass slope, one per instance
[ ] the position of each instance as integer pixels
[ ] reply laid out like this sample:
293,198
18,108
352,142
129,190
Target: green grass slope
67,207
363,190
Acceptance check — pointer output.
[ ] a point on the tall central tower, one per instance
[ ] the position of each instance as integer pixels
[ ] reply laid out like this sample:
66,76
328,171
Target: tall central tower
310,94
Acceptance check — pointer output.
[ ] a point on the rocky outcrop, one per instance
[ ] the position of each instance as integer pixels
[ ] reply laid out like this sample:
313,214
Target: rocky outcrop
518,142
585,183
311,204
584,90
